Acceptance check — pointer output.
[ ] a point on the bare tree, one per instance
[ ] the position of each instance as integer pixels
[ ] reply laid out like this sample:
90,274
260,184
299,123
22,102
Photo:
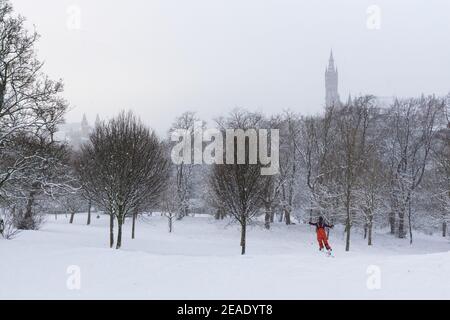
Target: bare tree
184,173
89,212
413,127
45,175
370,191
123,166
353,123
269,197
170,205
289,166
315,148
440,174
237,187
273,184
30,103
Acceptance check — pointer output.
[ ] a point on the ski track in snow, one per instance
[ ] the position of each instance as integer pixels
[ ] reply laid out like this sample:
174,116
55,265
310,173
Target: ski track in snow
201,260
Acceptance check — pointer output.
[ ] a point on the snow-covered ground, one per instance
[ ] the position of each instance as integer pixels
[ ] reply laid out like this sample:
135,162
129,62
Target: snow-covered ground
201,260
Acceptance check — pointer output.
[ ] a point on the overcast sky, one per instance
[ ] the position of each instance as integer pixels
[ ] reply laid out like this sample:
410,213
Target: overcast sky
162,57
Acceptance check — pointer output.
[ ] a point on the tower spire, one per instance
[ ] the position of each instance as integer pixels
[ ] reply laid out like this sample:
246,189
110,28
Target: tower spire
331,62
84,121
331,83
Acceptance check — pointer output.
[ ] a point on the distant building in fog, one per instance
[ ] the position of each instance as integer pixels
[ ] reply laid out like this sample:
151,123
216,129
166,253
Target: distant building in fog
75,134
331,83
332,97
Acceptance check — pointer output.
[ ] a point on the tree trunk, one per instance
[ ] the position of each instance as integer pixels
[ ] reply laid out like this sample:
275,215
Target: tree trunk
27,222
243,236
119,231
365,231
72,215
347,228
401,224
369,231
287,215
111,229
409,223
267,216
170,221
184,209
133,225
220,214
392,221
89,212
347,223
347,240
28,212
280,219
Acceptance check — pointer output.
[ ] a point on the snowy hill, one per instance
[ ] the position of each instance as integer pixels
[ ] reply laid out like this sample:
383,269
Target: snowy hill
201,260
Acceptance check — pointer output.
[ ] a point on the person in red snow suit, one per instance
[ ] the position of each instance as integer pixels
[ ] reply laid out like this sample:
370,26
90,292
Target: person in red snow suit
321,233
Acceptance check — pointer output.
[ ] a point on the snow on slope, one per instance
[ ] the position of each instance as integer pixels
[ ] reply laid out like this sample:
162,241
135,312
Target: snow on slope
201,260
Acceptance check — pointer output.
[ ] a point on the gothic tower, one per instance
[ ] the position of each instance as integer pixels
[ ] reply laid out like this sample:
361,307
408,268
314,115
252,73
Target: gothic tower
331,83
84,127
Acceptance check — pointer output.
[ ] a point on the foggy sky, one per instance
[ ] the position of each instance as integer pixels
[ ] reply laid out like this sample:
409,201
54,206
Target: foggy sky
162,57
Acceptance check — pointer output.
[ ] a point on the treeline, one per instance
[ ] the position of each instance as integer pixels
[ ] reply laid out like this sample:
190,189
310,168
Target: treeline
357,164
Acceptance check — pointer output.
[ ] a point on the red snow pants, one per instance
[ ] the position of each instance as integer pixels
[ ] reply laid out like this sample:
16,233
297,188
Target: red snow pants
323,239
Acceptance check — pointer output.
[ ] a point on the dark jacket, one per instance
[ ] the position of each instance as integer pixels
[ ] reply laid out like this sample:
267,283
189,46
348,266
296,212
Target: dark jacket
320,225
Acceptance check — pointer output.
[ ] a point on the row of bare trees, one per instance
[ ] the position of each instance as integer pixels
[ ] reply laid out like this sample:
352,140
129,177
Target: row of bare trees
358,164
